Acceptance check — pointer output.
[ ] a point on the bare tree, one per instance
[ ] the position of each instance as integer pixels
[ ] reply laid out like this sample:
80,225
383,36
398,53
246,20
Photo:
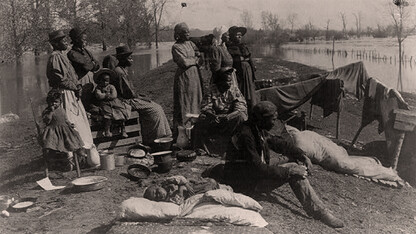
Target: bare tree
135,21
328,21
16,28
270,21
102,18
247,19
264,20
41,25
400,11
358,17
291,19
344,22
157,9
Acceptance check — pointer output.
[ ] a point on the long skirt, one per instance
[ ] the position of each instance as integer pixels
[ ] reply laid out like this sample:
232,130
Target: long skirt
187,95
88,85
76,114
246,84
153,121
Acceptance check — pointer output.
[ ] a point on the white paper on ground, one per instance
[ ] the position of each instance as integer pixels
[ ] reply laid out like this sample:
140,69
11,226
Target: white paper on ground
46,184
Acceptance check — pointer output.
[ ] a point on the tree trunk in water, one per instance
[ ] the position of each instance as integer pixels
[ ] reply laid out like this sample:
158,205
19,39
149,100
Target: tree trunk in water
157,38
104,45
156,29
399,82
19,87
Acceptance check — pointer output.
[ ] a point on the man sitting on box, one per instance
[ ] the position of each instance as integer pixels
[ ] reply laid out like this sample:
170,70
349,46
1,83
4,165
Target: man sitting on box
223,109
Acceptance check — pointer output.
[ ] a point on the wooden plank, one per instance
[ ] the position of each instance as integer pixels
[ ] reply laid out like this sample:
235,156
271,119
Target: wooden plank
403,126
116,137
405,116
130,128
133,120
118,143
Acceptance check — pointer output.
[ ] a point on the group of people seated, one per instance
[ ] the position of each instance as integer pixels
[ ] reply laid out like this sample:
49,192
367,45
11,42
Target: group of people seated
229,107
83,89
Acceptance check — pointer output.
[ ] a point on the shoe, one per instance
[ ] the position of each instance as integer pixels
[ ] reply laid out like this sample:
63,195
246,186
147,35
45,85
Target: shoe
108,134
326,217
124,135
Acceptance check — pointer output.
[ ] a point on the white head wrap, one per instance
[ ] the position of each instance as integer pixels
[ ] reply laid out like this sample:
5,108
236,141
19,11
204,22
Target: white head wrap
217,32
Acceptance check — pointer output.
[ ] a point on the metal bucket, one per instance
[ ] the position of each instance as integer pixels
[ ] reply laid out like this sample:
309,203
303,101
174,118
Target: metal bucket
107,161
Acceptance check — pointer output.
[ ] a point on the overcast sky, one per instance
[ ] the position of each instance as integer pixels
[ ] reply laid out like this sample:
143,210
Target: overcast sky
206,14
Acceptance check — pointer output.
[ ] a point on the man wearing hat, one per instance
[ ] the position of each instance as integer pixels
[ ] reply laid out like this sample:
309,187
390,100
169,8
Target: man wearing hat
249,165
84,64
62,77
223,108
153,121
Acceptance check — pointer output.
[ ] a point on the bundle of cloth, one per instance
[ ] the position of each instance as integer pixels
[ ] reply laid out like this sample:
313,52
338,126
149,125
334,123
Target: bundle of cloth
213,206
379,104
354,77
330,156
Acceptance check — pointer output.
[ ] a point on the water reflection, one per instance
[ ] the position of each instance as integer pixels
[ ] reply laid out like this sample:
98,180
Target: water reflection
384,68
19,82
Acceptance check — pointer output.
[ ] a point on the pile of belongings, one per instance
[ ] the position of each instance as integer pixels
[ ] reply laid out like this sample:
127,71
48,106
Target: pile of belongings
213,206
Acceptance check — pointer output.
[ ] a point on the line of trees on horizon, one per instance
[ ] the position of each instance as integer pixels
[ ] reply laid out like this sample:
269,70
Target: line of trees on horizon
277,30
25,24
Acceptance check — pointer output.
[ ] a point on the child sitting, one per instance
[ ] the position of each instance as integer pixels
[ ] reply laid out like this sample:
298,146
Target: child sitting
176,189
59,134
111,107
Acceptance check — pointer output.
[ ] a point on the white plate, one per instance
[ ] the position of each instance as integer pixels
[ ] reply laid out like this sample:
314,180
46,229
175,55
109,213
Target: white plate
22,205
88,180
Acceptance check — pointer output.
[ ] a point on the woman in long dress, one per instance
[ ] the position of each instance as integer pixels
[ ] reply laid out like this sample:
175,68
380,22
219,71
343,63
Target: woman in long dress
219,57
243,63
187,90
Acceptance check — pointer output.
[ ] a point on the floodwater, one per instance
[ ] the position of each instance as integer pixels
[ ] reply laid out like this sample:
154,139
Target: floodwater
18,85
380,57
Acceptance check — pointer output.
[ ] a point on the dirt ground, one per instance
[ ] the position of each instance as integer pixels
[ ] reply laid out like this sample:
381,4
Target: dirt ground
364,206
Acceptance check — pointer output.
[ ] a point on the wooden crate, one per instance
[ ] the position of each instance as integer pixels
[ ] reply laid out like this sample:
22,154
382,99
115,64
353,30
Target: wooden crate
405,120
132,130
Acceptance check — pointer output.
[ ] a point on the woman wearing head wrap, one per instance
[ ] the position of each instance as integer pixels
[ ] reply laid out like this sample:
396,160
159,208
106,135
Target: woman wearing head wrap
243,64
219,57
187,90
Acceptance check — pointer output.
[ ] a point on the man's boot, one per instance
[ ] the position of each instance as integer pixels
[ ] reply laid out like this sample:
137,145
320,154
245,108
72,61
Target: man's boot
311,203
326,217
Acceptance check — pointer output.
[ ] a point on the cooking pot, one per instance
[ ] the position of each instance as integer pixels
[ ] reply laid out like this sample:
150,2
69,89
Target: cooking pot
162,156
162,144
138,171
186,155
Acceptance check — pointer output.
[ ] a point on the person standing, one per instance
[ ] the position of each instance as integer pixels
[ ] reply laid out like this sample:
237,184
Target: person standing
187,89
244,65
84,64
249,165
219,57
63,78
153,121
